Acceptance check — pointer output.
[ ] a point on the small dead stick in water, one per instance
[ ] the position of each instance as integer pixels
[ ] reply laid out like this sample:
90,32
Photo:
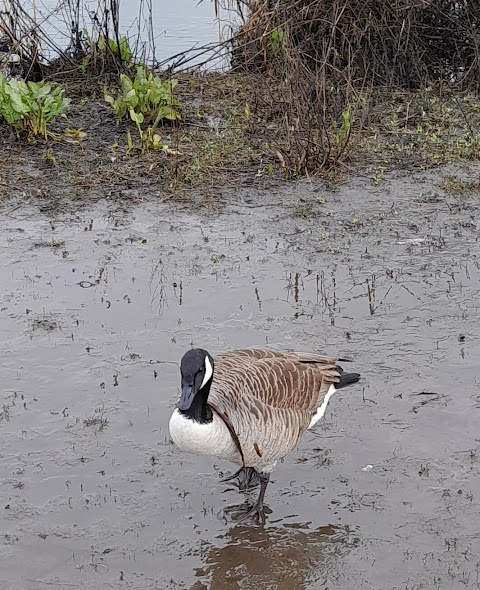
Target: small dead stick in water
63,584
371,295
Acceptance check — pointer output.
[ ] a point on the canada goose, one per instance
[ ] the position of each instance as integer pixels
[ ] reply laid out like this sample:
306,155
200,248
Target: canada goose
251,407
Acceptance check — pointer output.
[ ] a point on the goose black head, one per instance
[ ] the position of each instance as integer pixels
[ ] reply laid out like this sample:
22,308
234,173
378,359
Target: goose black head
196,369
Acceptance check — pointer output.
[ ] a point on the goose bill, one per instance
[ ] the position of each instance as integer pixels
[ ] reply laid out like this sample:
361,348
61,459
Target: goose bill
187,397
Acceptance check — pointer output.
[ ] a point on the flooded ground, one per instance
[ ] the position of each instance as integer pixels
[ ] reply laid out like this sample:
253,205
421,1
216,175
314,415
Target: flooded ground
97,305
176,26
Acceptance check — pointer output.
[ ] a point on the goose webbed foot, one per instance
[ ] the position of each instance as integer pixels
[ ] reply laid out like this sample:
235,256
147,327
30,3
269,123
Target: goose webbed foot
248,512
245,478
245,513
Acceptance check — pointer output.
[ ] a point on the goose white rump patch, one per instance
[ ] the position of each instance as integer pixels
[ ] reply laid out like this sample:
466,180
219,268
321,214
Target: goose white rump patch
321,410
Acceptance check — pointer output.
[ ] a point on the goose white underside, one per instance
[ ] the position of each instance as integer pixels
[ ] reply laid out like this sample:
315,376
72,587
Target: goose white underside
321,410
212,438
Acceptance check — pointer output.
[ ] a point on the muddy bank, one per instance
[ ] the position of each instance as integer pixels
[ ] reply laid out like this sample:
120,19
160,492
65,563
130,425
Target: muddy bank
99,302
232,133
91,157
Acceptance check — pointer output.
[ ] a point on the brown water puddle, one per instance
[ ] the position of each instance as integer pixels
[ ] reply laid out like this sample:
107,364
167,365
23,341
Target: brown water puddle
97,306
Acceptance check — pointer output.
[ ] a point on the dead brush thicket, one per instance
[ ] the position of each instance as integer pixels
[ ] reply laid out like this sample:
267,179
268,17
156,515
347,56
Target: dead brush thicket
68,38
328,62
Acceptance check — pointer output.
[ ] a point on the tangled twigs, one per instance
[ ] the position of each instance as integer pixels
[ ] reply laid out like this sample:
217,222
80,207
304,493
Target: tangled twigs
328,55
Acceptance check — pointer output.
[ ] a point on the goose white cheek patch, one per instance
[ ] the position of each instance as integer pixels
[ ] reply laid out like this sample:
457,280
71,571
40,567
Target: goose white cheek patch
208,371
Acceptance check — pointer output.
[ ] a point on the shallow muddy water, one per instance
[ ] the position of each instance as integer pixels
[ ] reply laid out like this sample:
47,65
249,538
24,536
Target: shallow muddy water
97,305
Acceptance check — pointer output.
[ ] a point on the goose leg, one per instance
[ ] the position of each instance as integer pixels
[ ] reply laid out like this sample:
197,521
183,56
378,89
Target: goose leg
255,512
245,478
264,479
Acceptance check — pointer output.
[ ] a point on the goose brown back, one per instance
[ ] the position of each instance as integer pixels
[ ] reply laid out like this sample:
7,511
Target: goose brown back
270,399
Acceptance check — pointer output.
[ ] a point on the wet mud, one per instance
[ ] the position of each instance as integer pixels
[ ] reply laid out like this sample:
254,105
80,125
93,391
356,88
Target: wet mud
99,302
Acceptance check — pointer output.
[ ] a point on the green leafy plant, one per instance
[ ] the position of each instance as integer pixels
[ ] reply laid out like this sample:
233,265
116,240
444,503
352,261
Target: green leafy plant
30,106
153,141
276,42
105,45
146,100
121,48
342,132
146,96
379,175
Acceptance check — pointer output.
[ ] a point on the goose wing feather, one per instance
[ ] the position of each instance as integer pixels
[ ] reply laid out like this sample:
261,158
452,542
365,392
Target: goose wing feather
269,398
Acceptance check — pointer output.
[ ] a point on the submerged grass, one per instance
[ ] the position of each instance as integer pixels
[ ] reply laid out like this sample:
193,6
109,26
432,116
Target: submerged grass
459,186
98,421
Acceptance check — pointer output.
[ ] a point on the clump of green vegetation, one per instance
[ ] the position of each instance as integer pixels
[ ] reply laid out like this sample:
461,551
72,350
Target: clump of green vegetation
277,41
146,100
30,107
102,47
342,132
379,175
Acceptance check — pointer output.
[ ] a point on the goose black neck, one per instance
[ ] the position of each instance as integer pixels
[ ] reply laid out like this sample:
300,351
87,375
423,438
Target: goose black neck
200,411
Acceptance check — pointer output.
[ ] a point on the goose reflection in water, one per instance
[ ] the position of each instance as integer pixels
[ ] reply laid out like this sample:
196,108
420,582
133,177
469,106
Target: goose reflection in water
287,557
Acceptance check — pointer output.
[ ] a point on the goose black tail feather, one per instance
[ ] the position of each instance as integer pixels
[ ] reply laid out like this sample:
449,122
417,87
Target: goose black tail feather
347,379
